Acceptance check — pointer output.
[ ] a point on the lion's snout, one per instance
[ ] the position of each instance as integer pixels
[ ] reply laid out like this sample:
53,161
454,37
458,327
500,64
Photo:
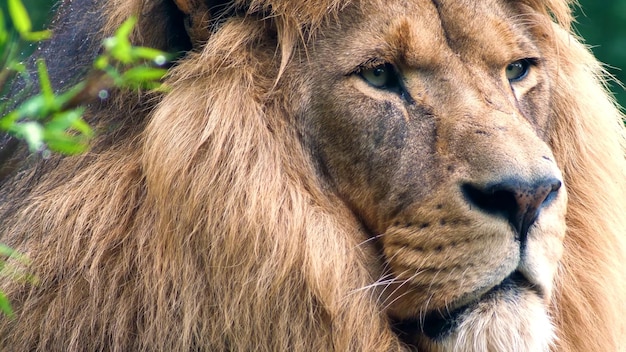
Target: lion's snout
515,199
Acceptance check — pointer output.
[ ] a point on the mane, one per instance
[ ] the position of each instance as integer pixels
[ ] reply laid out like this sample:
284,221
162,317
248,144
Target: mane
184,213
207,211
588,142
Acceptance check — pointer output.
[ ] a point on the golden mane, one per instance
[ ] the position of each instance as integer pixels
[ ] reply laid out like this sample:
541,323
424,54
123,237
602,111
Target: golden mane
194,241
588,142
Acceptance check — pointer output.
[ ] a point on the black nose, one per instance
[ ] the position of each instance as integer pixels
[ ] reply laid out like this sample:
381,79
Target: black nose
516,201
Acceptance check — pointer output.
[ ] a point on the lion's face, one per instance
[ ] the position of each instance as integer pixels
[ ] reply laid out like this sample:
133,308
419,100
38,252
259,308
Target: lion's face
429,119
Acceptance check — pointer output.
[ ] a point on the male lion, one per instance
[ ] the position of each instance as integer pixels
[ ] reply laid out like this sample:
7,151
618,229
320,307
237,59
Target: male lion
329,175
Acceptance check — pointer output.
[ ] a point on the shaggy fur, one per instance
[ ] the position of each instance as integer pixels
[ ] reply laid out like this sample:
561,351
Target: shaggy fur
210,218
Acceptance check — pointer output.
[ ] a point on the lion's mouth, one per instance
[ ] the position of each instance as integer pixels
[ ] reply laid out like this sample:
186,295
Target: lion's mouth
437,325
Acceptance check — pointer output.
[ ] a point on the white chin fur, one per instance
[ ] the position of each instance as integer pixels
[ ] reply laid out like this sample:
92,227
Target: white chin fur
503,323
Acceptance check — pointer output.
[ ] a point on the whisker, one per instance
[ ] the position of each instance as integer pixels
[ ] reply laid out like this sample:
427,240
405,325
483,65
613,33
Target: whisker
384,280
373,238
395,280
386,304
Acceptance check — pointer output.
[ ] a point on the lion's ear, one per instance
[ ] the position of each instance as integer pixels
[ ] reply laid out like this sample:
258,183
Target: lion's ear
201,15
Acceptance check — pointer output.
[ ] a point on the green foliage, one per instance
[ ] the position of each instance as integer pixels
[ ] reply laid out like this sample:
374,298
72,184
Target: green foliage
119,49
52,122
43,121
22,22
13,265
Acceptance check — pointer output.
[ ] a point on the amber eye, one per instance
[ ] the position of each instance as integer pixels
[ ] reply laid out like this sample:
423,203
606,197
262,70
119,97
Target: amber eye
382,77
518,70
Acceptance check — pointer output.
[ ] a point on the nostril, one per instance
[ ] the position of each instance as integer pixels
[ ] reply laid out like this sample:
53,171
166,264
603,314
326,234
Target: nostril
491,200
516,201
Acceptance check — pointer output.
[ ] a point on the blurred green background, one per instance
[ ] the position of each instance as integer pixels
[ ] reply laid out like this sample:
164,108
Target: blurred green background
601,22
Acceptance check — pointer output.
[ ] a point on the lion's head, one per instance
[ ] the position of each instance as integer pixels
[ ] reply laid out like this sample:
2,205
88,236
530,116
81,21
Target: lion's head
440,175
431,122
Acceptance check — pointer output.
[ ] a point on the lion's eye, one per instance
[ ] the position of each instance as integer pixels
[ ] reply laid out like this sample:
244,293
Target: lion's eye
382,77
518,70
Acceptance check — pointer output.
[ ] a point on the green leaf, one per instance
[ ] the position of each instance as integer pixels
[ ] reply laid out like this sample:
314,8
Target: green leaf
143,74
32,132
61,142
18,67
44,82
4,34
37,36
123,33
60,133
109,43
71,119
7,121
5,305
101,62
121,52
142,52
83,127
6,251
119,46
34,108
20,17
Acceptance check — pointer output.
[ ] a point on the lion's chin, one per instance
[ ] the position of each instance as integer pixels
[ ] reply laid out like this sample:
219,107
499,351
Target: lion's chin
510,317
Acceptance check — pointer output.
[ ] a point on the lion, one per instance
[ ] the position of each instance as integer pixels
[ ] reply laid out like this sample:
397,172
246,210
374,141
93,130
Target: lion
329,175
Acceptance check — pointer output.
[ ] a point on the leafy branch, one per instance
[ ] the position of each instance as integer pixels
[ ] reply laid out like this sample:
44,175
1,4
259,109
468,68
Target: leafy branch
53,122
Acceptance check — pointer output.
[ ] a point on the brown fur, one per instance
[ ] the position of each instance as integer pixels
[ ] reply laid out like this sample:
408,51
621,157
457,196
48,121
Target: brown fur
214,218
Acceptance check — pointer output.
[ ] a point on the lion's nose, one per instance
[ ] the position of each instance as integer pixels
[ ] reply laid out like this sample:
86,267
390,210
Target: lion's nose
516,201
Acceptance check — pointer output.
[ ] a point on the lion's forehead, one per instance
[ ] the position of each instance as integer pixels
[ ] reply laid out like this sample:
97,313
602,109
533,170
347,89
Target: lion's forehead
429,33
